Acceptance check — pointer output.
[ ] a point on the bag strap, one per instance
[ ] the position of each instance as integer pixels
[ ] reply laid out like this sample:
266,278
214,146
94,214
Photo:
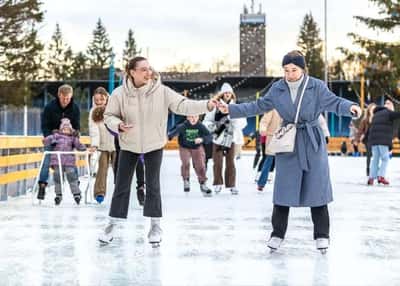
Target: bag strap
301,98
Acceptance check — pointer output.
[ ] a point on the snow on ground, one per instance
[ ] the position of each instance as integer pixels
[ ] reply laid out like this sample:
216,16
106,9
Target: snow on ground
208,241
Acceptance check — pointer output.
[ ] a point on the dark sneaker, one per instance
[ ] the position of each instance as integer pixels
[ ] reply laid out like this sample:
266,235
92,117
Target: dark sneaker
382,180
77,198
42,191
57,200
186,185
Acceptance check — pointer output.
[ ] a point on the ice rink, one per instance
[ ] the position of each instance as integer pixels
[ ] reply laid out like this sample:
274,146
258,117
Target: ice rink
219,240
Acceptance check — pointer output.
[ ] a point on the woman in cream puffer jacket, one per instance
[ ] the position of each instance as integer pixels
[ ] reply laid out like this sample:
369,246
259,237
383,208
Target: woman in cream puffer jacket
138,112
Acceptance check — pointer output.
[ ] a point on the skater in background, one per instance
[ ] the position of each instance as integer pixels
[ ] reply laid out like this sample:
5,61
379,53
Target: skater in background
363,131
255,136
262,141
192,134
101,140
269,123
302,177
61,107
138,112
65,139
353,135
239,142
224,132
380,137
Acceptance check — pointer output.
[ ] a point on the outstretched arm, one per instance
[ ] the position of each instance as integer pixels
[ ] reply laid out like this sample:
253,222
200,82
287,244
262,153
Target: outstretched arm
182,105
332,103
249,109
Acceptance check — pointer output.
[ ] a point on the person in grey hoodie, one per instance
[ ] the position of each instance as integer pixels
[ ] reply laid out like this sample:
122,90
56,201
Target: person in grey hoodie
138,112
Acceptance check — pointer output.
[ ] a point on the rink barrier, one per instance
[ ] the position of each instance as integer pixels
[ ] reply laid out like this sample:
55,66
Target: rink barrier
21,156
19,163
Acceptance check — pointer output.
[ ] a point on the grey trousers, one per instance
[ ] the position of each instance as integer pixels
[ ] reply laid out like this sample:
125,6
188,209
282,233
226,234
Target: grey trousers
72,178
126,168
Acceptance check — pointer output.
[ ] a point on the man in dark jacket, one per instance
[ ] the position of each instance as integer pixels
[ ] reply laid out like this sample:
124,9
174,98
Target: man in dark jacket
380,139
61,107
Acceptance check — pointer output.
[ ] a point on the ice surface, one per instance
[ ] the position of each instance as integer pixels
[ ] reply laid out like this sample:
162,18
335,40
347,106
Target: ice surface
208,241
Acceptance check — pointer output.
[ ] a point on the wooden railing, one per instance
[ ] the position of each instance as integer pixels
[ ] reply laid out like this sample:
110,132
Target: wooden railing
19,163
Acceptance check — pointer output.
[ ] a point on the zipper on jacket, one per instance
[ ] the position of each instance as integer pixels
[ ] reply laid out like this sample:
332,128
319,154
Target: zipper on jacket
140,123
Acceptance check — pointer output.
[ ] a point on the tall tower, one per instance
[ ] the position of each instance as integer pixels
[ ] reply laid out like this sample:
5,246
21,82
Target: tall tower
252,41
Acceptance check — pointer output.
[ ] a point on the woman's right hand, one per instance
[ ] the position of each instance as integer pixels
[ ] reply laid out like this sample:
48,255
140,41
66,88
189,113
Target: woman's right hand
124,127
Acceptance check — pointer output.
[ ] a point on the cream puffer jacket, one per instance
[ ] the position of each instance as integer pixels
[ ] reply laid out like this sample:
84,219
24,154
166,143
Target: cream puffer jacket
146,109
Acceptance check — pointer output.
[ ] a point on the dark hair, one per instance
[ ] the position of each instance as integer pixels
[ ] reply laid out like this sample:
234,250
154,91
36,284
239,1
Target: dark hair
133,63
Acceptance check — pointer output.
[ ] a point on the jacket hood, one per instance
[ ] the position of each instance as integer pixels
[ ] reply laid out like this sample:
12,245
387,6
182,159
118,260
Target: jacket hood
149,88
379,108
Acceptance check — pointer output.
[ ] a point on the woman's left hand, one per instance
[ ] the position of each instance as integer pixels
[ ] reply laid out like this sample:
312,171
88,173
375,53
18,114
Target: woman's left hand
356,111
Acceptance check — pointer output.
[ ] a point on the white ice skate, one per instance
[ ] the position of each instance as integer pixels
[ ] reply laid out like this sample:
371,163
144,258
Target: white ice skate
274,243
234,191
217,189
154,235
108,234
205,190
322,244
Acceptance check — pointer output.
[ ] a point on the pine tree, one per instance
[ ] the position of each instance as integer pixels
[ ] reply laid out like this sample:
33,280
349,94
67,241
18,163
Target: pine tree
80,68
20,47
310,45
131,49
379,61
59,64
99,50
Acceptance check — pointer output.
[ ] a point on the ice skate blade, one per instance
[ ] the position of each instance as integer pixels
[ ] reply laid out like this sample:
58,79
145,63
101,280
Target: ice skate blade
207,195
272,250
323,250
155,244
104,242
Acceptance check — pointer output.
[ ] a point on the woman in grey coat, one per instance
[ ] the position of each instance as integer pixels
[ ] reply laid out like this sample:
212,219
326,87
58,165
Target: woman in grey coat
302,177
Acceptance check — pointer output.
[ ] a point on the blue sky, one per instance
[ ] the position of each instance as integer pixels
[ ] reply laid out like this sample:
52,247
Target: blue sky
201,32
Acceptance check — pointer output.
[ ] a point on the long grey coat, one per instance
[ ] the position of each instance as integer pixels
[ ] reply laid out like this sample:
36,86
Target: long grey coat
302,177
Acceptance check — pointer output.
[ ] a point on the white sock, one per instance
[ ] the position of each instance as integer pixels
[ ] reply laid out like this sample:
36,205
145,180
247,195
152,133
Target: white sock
115,220
155,221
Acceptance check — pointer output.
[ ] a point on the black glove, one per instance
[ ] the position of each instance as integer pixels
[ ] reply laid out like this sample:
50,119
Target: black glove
327,139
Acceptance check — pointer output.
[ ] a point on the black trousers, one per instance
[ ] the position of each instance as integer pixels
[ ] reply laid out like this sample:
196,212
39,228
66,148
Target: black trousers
319,216
368,154
139,167
126,169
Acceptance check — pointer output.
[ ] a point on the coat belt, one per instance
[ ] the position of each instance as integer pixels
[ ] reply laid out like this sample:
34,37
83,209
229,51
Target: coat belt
304,130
